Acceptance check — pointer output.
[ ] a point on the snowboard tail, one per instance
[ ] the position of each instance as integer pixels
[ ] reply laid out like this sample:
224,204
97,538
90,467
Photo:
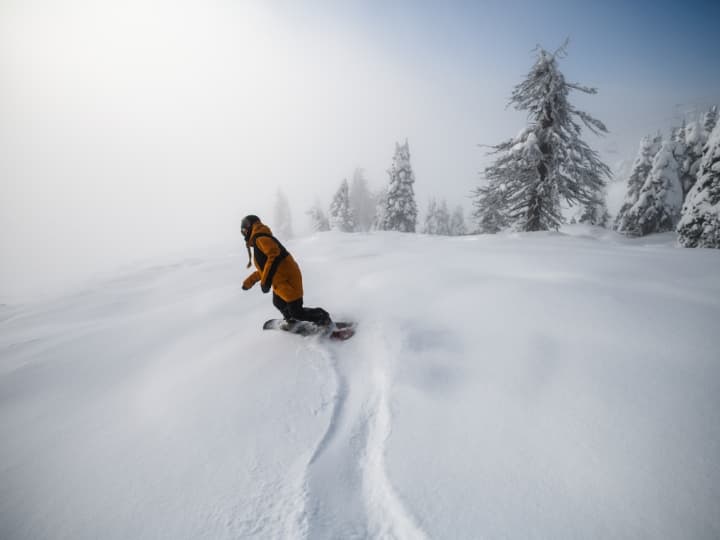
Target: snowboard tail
341,330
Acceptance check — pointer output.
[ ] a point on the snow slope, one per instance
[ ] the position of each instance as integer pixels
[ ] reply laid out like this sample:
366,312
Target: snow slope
546,385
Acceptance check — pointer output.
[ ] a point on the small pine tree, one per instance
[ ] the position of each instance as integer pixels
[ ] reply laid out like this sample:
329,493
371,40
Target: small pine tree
443,219
362,202
380,205
282,226
341,216
658,206
649,147
596,213
400,210
437,219
318,220
457,222
430,226
700,222
547,161
490,203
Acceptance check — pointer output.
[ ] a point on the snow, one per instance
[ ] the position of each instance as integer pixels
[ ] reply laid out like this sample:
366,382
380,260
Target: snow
552,385
699,225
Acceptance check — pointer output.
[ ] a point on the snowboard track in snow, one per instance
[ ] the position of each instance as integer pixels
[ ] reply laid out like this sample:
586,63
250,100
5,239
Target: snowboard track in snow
348,493
341,393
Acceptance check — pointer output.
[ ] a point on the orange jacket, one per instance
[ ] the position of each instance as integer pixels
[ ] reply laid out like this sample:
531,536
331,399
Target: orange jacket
275,266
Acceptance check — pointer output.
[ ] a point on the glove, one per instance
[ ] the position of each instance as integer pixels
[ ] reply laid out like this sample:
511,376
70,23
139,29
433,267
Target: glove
265,287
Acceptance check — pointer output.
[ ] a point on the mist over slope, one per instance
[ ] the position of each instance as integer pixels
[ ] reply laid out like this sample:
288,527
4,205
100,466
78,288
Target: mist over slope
558,385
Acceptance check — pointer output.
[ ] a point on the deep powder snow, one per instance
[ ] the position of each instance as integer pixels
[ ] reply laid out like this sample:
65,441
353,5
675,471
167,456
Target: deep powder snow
548,385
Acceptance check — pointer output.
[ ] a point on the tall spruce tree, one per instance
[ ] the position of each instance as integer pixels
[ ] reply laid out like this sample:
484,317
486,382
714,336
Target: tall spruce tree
649,147
547,161
341,215
699,225
660,199
400,210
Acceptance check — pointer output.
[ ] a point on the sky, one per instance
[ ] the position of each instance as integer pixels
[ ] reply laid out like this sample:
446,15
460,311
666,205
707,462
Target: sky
134,130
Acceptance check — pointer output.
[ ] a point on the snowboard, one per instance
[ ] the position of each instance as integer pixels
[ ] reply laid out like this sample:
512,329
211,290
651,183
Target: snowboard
337,330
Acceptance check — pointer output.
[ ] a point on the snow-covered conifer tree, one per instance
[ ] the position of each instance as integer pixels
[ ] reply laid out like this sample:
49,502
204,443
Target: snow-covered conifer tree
677,135
282,225
318,220
430,226
457,222
443,218
380,204
681,153
341,216
694,136
660,199
694,141
596,213
437,219
490,203
700,222
710,119
649,147
400,209
362,202
547,161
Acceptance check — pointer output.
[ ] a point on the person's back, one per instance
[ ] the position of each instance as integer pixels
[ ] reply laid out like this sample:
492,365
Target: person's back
276,269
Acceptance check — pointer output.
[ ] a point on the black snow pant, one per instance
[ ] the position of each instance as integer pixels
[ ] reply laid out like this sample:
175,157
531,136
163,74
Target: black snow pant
295,310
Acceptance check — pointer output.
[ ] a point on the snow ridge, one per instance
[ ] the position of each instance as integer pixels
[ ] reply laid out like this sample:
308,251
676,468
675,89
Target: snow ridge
341,392
388,516
348,492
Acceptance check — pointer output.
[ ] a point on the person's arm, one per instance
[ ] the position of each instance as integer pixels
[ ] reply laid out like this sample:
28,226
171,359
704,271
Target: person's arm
251,280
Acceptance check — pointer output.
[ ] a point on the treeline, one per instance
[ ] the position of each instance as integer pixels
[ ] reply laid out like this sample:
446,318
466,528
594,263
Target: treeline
547,169
355,207
675,184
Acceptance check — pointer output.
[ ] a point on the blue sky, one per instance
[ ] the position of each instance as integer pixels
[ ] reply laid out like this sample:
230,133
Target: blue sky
612,41
652,62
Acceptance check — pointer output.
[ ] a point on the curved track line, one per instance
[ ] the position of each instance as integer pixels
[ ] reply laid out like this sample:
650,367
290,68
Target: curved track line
388,517
341,391
348,493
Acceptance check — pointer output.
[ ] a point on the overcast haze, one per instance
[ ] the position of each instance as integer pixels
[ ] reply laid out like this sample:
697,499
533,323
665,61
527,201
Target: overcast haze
131,130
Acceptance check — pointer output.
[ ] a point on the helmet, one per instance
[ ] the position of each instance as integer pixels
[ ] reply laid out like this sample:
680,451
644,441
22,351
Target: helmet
247,224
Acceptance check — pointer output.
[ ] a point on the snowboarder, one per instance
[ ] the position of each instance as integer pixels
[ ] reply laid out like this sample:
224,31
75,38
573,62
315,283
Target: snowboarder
277,269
